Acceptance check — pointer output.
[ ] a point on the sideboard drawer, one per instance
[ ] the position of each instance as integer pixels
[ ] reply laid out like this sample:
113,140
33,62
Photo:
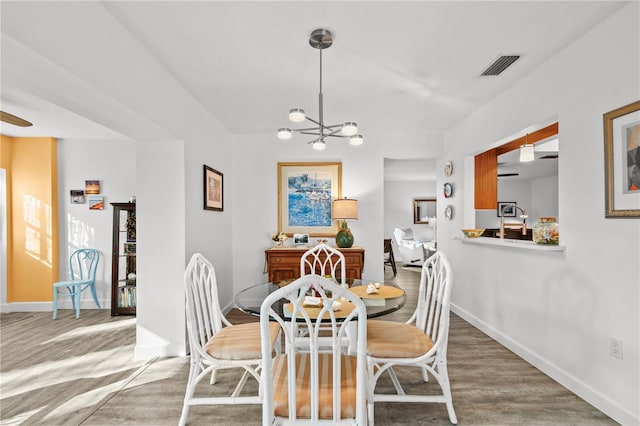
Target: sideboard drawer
283,263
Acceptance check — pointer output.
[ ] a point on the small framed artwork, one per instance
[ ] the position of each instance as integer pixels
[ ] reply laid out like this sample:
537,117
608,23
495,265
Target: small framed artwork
92,187
77,196
622,161
213,189
506,209
96,202
300,239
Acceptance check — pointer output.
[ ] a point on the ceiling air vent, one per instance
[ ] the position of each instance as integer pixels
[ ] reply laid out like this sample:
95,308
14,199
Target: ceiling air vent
500,65
549,157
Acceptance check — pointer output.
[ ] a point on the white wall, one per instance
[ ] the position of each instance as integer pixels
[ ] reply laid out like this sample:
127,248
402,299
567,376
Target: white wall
559,310
113,164
544,198
160,232
210,232
398,209
516,190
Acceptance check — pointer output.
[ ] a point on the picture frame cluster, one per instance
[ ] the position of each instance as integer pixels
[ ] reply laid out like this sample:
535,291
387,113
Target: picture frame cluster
90,193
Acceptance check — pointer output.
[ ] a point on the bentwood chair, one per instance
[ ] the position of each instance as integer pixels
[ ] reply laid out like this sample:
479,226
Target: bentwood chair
421,342
83,264
214,342
324,260
307,384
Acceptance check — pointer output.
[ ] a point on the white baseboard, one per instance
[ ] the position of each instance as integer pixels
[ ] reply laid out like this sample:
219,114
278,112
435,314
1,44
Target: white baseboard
229,306
147,352
26,307
64,303
575,385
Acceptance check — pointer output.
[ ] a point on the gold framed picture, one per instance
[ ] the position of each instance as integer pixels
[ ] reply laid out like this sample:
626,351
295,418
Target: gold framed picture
305,195
622,161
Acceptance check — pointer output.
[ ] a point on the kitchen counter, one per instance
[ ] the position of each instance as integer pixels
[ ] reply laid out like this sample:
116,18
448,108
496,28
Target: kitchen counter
507,242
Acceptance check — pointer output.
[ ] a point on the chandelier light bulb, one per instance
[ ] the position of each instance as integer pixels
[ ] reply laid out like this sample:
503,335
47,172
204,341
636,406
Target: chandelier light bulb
319,145
349,128
356,140
284,133
296,115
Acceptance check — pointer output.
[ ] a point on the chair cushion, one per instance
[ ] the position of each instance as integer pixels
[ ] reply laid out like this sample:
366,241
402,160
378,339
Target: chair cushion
325,389
240,341
390,339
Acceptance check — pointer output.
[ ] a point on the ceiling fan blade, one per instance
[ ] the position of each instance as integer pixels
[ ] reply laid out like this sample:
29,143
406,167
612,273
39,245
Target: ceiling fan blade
12,119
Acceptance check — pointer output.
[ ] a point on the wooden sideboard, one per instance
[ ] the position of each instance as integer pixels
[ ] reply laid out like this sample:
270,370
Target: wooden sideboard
283,263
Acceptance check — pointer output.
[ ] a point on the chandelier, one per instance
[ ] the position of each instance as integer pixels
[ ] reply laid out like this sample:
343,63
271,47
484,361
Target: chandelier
320,39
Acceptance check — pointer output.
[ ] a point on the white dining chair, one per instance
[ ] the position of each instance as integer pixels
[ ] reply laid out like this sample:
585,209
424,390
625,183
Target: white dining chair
307,384
324,260
215,343
421,342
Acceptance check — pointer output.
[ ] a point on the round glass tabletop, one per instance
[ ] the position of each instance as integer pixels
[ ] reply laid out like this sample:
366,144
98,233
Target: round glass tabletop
250,299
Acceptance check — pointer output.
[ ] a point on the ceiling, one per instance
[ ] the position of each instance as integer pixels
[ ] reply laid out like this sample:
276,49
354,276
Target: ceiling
404,70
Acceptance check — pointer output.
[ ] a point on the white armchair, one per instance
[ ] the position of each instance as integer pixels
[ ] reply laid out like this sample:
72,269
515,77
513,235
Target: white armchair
412,251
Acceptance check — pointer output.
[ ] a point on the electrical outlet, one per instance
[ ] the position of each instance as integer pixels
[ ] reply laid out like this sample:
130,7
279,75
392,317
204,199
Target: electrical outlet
615,346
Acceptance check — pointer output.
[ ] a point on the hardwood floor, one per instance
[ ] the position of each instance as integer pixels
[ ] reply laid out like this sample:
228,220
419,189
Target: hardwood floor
82,372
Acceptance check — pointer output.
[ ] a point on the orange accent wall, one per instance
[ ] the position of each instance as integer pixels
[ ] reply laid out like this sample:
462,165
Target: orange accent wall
32,217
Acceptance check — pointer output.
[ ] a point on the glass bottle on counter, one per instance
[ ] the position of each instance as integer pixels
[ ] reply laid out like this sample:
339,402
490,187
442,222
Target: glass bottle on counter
546,231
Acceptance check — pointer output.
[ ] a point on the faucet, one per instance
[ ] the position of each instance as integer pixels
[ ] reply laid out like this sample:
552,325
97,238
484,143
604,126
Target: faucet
524,217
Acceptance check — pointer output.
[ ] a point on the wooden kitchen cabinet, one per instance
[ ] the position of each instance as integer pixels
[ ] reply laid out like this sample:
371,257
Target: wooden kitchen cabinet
283,263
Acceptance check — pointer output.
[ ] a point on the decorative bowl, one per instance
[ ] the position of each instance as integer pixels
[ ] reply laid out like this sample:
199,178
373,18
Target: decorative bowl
472,233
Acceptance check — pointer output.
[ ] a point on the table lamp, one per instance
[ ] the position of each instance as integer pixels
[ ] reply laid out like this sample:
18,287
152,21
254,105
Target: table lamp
343,209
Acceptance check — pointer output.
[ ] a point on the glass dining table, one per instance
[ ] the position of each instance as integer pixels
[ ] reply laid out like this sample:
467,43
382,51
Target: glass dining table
249,299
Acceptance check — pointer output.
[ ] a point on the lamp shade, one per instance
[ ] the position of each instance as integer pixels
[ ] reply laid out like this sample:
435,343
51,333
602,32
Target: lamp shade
356,140
345,208
297,115
527,153
349,128
284,133
319,145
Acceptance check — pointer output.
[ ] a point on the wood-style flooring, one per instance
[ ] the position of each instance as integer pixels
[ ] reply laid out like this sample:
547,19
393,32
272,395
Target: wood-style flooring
82,372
